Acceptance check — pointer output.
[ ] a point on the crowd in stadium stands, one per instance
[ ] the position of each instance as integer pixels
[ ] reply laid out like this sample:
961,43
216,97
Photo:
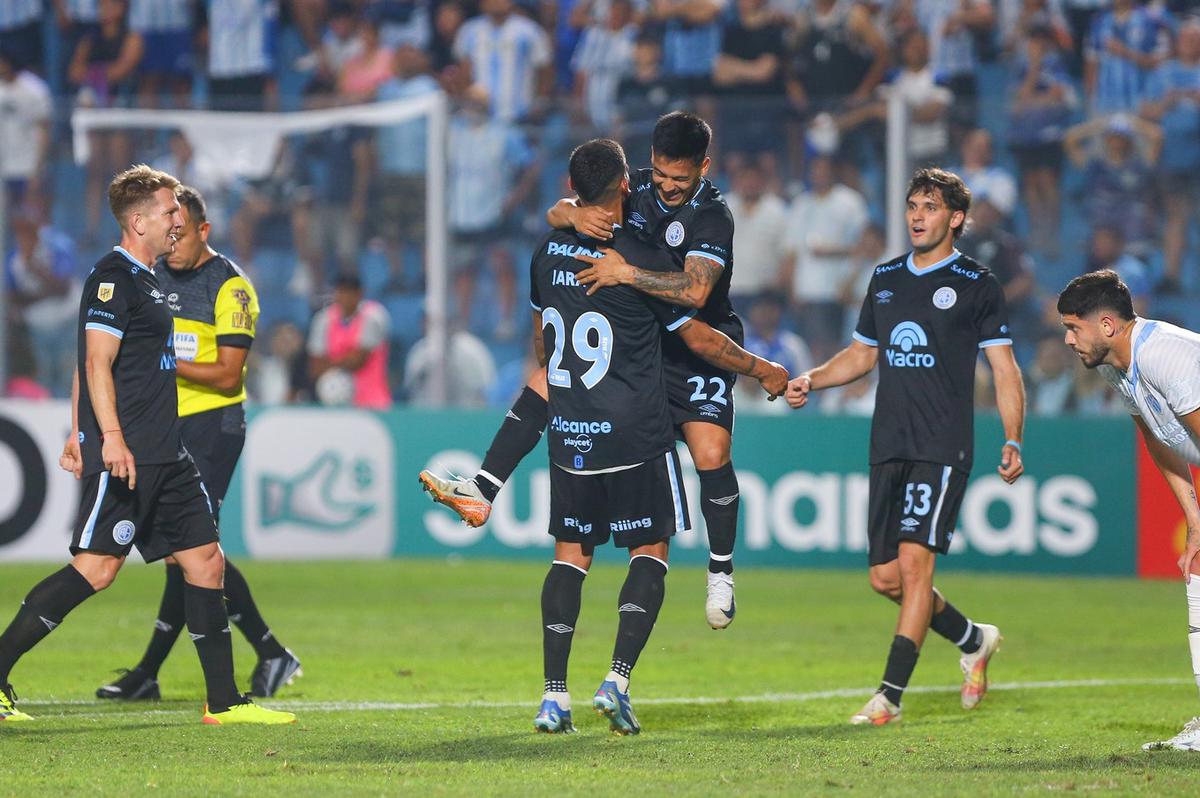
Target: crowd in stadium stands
1076,124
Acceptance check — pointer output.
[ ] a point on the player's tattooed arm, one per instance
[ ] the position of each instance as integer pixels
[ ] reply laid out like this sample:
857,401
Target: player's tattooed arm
689,288
723,352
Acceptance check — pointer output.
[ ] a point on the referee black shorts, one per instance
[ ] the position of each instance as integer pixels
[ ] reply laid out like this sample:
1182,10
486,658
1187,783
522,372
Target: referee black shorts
167,512
912,500
215,439
634,507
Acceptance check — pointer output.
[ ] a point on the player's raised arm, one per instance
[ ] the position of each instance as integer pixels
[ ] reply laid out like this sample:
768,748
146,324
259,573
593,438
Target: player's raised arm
853,362
689,288
591,220
723,352
1010,401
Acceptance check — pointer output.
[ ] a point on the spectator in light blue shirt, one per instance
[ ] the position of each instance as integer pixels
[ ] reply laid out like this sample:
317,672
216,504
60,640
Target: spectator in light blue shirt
691,41
1123,47
1173,100
508,56
168,61
241,53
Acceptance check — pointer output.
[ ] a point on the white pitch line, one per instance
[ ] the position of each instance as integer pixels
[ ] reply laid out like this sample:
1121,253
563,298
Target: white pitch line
765,698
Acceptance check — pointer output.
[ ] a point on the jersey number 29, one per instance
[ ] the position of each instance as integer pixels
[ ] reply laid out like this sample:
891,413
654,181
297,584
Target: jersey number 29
598,354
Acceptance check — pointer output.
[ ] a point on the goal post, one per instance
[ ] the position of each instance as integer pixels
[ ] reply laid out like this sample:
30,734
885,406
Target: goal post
246,145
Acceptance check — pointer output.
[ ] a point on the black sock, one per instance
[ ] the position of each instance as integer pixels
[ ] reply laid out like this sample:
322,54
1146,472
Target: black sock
560,610
719,501
902,659
209,627
168,625
958,629
522,429
43,609
640,600
244,614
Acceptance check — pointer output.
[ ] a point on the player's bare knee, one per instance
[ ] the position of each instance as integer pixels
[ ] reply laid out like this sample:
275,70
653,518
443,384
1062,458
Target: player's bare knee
203,566
709,456
887,585
100,572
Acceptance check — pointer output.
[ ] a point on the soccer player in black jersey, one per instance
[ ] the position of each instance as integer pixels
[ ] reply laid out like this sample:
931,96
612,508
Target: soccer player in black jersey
140,486
614,472
216,311
676,209
930,312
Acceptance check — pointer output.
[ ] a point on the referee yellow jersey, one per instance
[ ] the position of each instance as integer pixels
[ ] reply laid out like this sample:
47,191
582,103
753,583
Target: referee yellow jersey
214,305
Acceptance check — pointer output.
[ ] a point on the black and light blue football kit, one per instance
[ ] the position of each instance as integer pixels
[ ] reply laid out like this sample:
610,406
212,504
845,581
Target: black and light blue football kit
612,446
701,227
929,326
168,510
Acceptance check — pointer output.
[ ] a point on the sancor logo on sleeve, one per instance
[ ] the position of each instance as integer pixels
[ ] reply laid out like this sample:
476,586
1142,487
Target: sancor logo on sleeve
105,291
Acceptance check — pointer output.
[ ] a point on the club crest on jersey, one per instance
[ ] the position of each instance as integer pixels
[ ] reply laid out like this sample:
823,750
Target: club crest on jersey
906,337
675,234
944,298
105,291
123,532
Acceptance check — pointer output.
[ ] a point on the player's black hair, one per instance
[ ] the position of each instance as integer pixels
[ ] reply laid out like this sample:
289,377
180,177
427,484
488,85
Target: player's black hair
193,200
596,169
348,281
681,136
949,186
1102,290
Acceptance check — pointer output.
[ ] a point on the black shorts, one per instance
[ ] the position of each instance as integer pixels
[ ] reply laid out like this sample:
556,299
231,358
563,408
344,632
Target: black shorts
698,391
912,500
635,507
167,512
215,439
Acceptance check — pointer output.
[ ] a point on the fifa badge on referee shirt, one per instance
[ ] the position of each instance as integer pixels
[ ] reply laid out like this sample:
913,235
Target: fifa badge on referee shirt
105,291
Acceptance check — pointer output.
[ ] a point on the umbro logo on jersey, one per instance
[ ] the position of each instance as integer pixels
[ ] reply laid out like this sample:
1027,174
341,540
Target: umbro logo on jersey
725,501
630,608
561,628
637,220
910,523
51,625
884,296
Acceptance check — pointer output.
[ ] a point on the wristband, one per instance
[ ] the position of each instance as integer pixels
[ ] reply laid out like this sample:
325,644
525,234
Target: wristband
1015,444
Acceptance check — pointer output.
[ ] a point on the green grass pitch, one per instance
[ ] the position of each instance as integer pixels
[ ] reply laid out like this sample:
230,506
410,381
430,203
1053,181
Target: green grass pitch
422,677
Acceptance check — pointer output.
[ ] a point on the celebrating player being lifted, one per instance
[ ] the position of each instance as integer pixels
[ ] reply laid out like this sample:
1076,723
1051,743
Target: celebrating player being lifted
140,486
614,471
215,309
676,209
1155,367
930,311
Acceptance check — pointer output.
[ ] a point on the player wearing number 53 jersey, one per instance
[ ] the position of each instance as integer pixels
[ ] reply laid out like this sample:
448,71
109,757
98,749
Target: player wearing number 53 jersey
925,318
614,472
1155,367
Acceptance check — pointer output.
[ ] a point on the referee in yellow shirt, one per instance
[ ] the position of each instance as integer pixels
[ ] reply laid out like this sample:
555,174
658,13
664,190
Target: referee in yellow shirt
215,311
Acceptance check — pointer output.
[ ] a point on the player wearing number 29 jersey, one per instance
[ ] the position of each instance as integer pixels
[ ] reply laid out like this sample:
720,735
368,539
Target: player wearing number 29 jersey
613,341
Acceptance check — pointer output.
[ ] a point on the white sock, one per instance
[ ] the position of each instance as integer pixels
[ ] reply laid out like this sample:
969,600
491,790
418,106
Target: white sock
562,699
622,682
1193,599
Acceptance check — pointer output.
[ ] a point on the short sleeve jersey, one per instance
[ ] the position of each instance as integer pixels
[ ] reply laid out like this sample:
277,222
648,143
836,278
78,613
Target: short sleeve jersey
1163,382
608,402
214,305
929,325
701,227
122,298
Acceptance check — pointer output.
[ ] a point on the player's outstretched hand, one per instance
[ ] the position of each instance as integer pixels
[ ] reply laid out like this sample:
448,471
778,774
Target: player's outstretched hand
118,459
612,269
1011,466
71,459
774,379
593,221
797,391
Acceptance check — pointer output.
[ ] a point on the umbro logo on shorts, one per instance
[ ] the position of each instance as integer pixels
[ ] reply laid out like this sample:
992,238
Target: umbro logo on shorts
561,628
710,408
910,523
630,608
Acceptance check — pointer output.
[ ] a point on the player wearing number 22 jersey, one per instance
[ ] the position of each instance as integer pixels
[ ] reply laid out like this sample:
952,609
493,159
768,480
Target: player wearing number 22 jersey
614,472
